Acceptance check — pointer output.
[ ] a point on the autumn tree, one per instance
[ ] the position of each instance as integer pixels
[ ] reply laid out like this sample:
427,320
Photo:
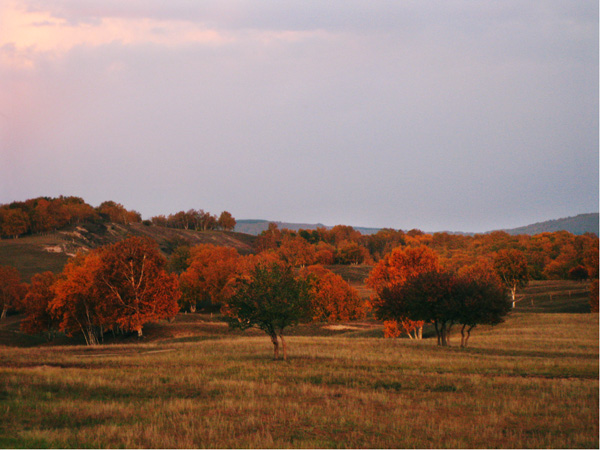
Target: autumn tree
395,328
426,296
270,298
578,273
209,277
511,267
296,251
121,286
12,289
332,298
36,306
226,221
444,299
133,279
117,213
270,238
14,222
179,260
395,269
78,300
482,301
350,252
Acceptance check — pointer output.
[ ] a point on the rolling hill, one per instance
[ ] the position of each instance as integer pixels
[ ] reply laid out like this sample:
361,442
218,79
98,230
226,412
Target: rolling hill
580,224
51,251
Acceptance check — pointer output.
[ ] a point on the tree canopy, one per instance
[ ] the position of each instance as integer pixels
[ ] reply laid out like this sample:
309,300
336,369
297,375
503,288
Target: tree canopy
444,299
270,298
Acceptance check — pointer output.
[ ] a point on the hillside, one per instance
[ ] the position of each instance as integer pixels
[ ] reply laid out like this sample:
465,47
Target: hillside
51,251
580,224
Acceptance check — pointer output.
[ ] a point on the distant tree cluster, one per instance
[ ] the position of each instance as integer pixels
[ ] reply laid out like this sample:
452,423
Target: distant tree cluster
558,255
44,214
198,220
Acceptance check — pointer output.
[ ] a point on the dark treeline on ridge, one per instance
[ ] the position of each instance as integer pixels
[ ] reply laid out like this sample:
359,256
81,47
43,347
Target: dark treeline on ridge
44,214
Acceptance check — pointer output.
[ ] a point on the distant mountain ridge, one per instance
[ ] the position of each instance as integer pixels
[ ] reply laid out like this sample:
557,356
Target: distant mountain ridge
580,224
257,226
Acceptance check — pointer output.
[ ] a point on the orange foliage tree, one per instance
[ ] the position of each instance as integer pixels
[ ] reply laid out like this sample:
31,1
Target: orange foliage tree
121,286
394,269
12,289
332,298
136,283
36,304
226,221
78,301
395,328
511,267
209,275
14,222
296,251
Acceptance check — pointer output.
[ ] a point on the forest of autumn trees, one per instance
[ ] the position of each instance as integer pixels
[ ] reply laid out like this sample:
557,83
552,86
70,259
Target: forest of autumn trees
120,287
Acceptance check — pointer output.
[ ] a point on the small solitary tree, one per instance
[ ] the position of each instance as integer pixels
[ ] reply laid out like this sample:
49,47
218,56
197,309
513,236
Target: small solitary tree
270,298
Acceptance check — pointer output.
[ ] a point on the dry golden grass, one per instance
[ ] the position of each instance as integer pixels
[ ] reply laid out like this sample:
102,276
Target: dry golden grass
529,383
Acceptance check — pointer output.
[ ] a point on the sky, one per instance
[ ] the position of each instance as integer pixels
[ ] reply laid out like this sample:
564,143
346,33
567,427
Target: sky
456,115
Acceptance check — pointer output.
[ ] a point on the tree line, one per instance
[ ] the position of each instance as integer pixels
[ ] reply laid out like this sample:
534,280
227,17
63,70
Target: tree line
121,287
45,214
557,255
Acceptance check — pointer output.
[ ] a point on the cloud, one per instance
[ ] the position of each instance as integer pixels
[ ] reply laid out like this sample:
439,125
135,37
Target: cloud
437,115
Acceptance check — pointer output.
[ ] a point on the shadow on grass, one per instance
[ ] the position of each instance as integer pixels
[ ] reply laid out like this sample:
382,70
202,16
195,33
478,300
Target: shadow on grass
523,353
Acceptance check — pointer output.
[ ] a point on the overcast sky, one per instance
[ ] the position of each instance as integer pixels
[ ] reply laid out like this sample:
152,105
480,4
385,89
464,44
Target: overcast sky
439,115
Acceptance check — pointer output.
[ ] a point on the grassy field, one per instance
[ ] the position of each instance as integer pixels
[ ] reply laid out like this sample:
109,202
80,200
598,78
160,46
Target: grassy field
531,382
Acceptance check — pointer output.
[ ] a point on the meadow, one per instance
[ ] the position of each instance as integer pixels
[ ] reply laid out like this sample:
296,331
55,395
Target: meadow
531,382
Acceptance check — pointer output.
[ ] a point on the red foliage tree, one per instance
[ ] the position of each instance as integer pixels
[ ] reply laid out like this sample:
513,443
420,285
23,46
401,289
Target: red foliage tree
36,306
332,298
296,252
226,221
511,267
394,269
78,301
209,275
14,222
121,286
12,289
133,279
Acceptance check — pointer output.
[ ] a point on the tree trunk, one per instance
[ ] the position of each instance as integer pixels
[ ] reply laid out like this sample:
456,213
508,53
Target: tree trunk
437,333
283,346
462,336
444,335
192,308
513,293
420,333
468,334
4,311
275,345
139,332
